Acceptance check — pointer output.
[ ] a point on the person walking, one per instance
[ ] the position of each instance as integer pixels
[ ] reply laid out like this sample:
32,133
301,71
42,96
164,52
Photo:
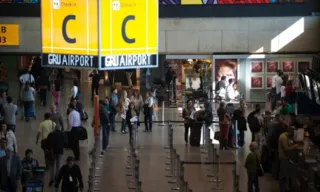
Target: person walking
114,99
124,108
137,100
3,97
252,164
94,83
28,164
10,171
57,141
224,124
74,94
44,85
56,117
10,114
46,127
148,112
131,113
71,177
28,98
74,122
188,116
9,136
105,125
56,91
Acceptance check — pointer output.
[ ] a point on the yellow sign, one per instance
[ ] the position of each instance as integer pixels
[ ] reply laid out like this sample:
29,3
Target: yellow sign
9,34
129,27
69,27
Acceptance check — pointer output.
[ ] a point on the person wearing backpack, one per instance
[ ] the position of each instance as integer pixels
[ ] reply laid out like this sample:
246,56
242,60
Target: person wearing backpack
255,124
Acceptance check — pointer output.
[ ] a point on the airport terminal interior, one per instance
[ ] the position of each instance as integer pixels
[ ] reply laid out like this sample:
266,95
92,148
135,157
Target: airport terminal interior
160,95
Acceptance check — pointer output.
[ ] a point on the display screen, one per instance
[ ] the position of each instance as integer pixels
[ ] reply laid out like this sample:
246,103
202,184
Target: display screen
19,1
214,2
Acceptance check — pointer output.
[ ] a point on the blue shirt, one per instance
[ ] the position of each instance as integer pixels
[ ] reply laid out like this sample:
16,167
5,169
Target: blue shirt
114,99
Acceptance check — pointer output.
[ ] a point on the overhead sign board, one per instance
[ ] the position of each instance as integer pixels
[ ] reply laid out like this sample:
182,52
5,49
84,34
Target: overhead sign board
222,2
123,34
129,34
9,34
69,33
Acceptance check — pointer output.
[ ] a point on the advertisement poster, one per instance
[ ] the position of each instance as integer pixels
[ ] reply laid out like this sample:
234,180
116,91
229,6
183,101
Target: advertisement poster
269,81
256,82
226,67
303,66
256,67
288,66
216,2
272,66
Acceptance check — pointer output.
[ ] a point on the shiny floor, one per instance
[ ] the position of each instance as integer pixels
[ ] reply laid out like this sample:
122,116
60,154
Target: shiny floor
153,156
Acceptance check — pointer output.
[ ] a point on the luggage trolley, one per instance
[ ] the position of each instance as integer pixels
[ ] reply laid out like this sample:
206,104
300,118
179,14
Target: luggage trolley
36,182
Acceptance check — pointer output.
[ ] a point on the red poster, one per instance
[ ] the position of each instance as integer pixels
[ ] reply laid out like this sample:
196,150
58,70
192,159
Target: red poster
256,82
303,66
269,82
288,66
272,66
257,67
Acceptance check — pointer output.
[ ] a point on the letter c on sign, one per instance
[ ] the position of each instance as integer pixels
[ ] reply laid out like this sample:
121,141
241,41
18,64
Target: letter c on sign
64,29
123,29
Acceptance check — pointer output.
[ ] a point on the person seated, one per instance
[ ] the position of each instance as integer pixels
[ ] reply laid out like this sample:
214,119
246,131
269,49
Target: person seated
28,164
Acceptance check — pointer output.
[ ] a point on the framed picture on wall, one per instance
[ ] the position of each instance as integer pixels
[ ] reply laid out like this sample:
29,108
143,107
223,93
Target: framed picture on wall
268,81
291,77
256,66
288,66
272,66
303,66
257,82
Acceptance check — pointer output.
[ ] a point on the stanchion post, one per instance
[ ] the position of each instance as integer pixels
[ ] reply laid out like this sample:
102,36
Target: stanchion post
162,115
213,167
168,126
235,133
173,167
217,173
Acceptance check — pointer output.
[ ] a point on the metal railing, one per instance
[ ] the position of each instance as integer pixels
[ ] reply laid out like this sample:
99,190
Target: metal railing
176,167
133,163
95,168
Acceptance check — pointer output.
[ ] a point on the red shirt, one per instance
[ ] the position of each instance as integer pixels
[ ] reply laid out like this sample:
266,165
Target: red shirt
288,90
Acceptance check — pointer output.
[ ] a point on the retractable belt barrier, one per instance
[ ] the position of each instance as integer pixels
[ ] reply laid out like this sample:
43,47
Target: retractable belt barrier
133,167
176,167
95,168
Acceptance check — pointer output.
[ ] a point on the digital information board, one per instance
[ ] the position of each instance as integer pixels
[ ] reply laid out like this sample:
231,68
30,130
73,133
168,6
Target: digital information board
121,34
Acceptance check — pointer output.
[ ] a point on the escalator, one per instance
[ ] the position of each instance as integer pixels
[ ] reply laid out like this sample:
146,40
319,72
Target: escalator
308,100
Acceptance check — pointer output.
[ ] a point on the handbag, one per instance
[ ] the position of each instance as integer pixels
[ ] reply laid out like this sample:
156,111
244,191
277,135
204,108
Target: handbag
82,133
260,171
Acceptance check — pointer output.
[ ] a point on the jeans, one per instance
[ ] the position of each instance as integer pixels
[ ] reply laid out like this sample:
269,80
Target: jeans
148,120
11,127
55,166
113,121
105,136
43,96
241,138
28,107
187,126
253,182
123,125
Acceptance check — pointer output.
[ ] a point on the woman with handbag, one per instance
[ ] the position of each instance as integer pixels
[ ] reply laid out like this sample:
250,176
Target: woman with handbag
253,167
224,124
131,113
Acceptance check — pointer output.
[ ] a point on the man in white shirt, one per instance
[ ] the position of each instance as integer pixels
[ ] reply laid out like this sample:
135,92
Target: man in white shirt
74,122
277,89
274,78
26,77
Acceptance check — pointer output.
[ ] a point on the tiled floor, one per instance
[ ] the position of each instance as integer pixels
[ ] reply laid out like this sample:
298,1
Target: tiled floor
151,152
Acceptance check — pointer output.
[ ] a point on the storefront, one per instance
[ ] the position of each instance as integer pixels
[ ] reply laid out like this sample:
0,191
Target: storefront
252,74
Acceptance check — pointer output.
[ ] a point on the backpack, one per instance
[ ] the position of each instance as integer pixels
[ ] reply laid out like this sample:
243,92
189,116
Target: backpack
254,123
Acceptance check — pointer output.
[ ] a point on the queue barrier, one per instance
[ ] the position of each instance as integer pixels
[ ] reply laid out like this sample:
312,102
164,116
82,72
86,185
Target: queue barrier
95,168
133,167
176,167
